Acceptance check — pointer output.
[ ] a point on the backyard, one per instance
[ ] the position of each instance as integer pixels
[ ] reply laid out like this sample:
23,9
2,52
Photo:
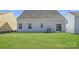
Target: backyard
39,40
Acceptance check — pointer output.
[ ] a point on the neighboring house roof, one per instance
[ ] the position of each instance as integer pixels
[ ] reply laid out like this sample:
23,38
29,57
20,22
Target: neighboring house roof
8,18
41,14
74,13
2,13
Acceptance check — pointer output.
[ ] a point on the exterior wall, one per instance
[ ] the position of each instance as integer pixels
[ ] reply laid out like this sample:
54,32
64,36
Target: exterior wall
10,19
77,24
70,23
5,28
36,25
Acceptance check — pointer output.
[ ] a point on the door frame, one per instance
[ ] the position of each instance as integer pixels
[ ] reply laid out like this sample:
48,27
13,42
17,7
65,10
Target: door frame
58,27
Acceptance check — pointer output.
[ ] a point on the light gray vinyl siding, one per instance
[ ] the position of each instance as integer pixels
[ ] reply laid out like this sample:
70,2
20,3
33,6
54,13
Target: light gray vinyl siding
36,25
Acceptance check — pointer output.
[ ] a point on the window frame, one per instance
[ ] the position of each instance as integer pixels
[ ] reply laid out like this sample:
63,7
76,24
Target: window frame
20,25
30,26
41,26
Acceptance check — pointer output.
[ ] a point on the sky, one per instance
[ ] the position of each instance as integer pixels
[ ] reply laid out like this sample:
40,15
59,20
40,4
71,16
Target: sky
17,13
65,11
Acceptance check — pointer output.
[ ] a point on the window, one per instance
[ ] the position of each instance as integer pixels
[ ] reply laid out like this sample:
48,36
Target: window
41,25
29,26
66,21
20,25
58,27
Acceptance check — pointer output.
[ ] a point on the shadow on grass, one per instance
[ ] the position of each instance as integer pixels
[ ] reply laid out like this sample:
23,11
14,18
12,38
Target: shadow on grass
35,32
30,32
7,32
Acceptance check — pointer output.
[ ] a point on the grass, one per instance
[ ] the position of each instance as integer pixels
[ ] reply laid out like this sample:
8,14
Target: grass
39,40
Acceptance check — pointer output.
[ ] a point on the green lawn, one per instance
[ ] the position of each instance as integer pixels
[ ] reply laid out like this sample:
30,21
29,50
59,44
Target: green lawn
39,40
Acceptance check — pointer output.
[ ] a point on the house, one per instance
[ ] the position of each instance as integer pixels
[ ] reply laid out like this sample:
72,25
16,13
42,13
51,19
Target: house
40,21
7,22
72,22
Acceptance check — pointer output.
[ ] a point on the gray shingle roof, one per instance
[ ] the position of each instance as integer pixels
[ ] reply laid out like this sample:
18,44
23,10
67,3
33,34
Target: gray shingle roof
40,14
